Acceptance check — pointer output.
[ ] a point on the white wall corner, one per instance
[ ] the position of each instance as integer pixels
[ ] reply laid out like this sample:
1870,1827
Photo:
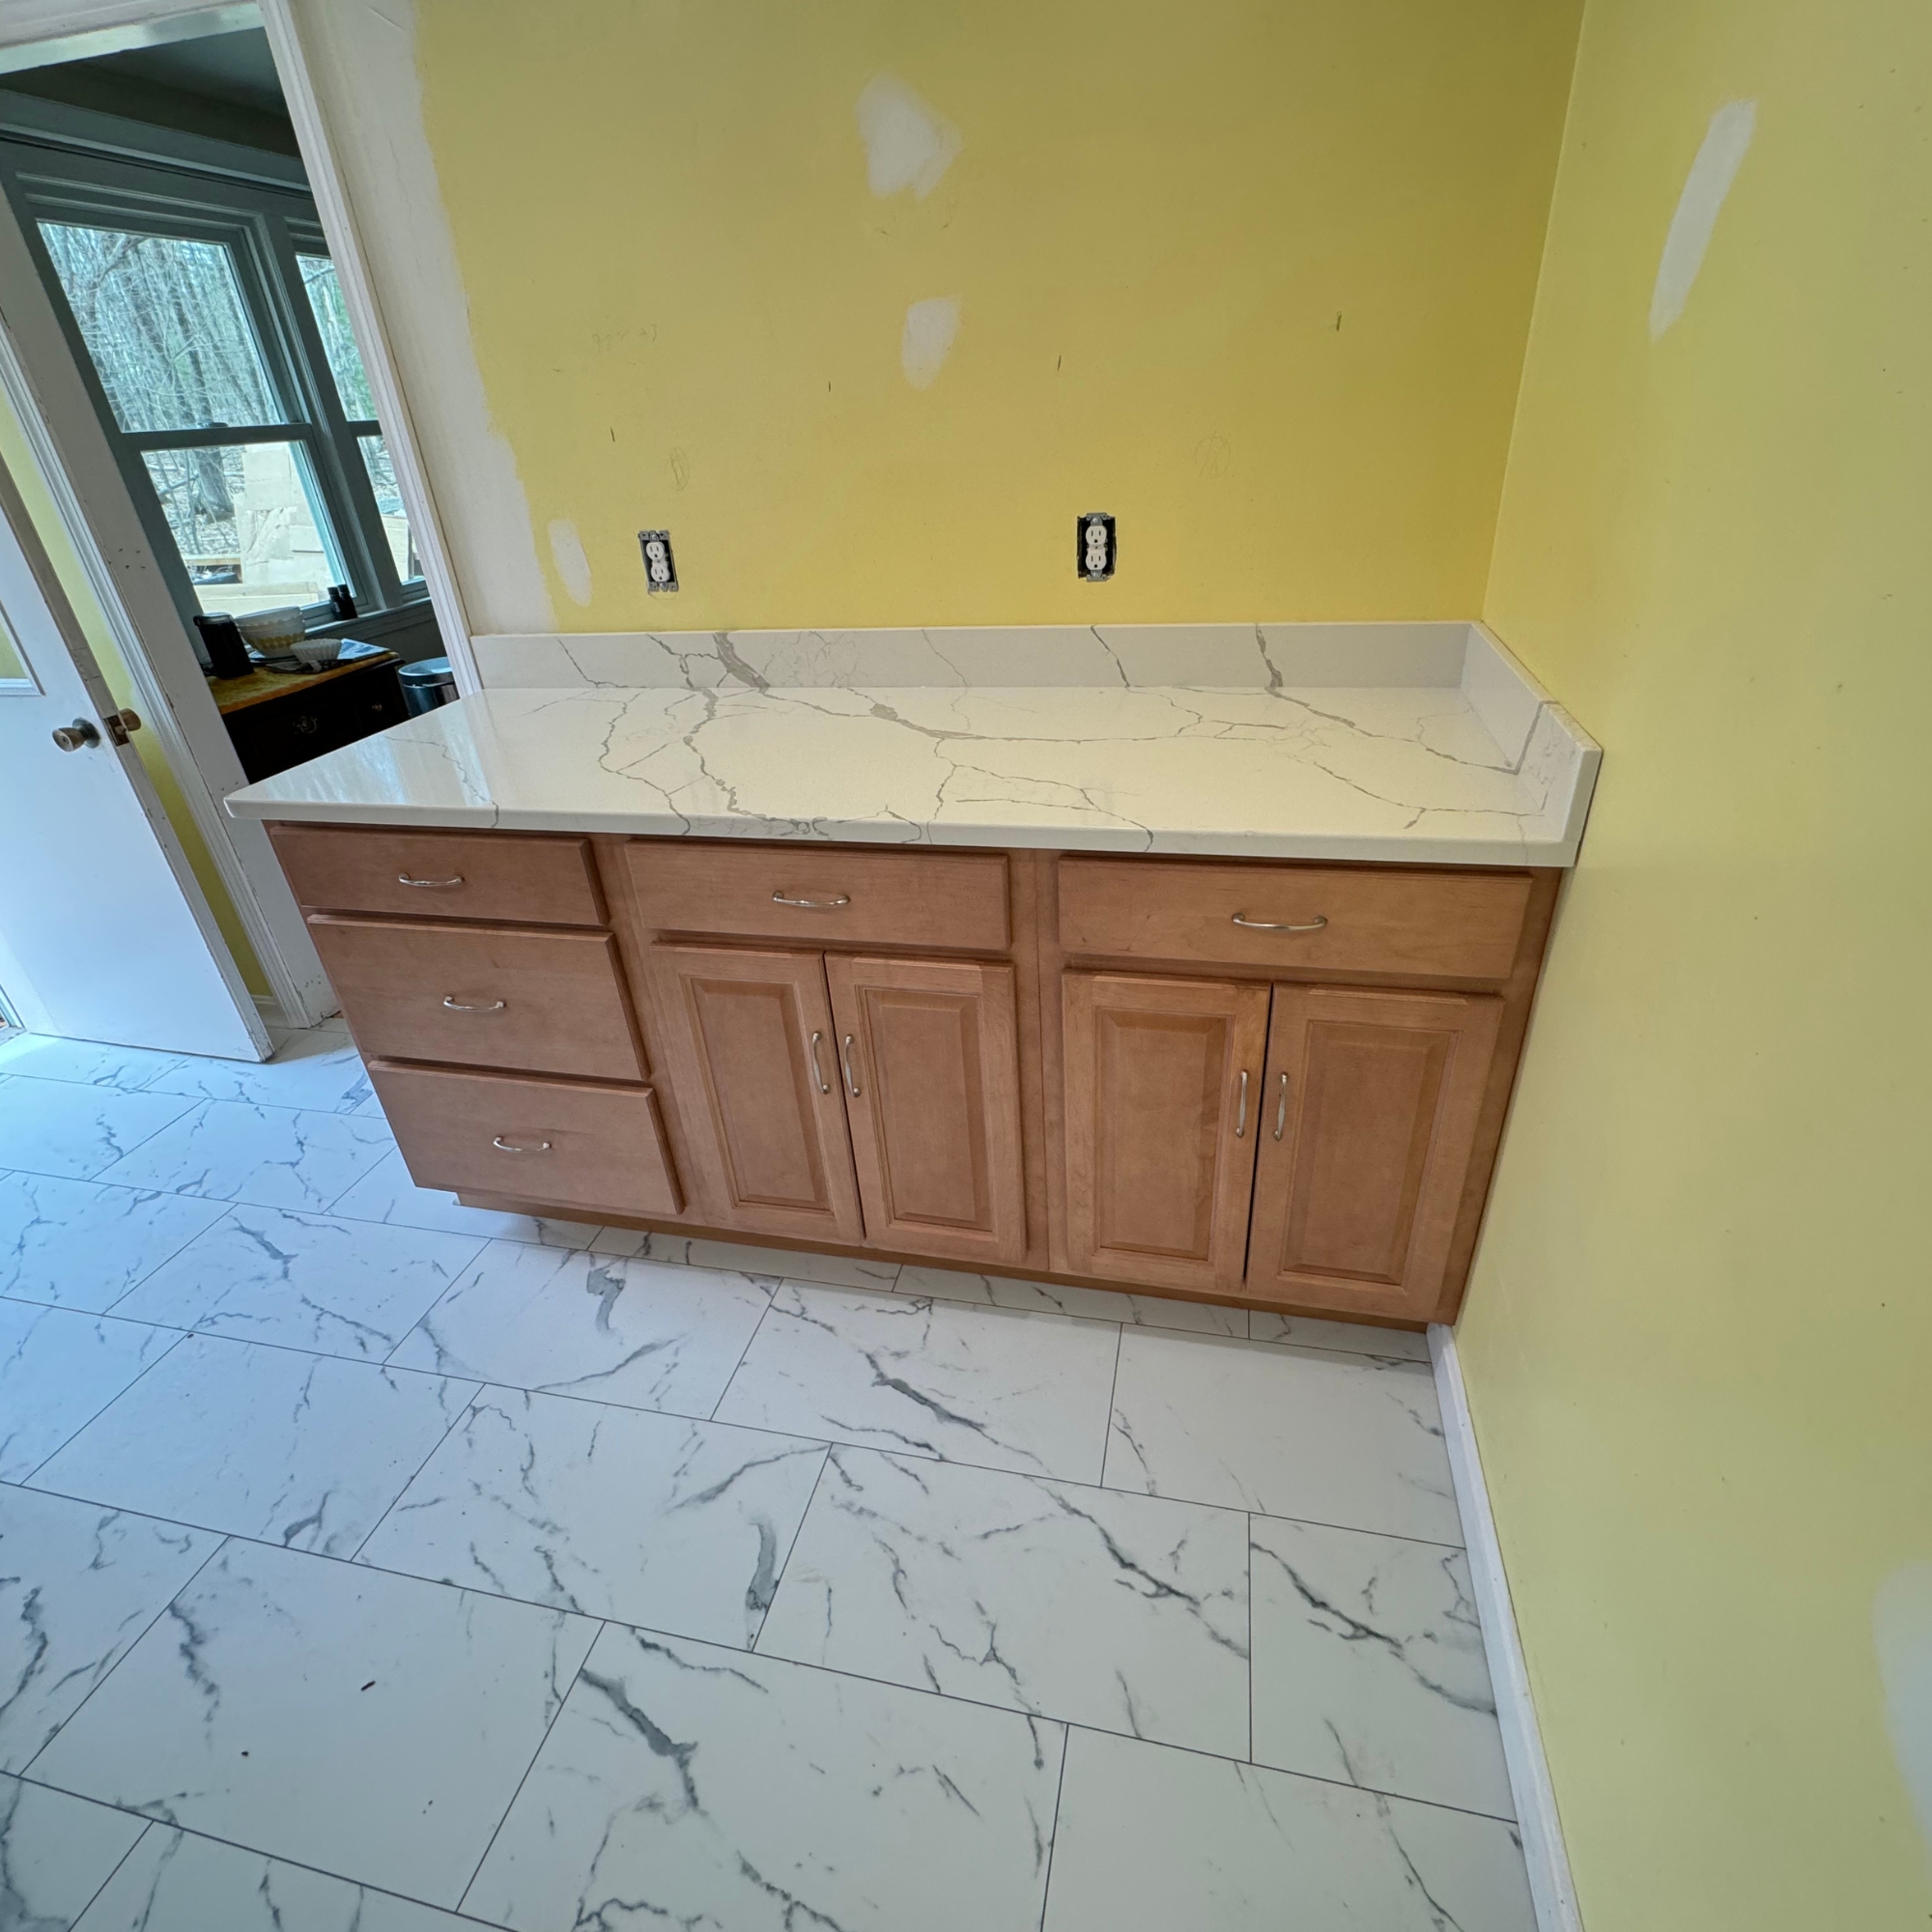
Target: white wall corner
1540,1828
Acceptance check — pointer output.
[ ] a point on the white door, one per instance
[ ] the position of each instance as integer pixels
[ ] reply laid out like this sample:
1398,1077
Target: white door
103,933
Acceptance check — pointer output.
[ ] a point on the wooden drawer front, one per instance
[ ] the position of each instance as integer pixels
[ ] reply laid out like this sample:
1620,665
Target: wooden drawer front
546,1141
911,899
1455,925
493,875
482,996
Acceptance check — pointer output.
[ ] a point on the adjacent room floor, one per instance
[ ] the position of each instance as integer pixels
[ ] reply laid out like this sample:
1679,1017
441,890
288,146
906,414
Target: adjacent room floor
368,1561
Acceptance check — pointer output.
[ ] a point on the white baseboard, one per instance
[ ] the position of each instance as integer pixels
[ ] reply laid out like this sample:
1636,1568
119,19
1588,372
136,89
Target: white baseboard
1550,1887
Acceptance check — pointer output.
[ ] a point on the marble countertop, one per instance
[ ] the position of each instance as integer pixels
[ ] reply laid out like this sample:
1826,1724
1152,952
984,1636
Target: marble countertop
1484,770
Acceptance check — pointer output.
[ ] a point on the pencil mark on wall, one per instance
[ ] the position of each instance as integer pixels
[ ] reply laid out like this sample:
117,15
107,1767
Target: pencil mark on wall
908,142
1212,456
1726,143
927,338
680,468
573,567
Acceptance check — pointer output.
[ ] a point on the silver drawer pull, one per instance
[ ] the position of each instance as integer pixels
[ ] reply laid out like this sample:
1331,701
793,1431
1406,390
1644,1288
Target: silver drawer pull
1281,1108
429,885
814,905
845,1061
1277,926
817,1071
510,1147
456,1006
1242,1119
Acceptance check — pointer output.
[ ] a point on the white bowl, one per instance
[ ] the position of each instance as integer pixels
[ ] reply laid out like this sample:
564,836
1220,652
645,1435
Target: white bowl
278,630
318,653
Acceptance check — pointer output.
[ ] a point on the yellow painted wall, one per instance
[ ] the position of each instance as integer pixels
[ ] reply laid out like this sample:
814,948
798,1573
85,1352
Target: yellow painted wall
1254,278
1698,1335
18,456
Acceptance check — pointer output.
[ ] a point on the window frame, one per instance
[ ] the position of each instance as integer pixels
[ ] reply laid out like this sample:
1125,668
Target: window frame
265,228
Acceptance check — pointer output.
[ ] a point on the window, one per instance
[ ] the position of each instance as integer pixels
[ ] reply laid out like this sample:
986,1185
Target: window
228,377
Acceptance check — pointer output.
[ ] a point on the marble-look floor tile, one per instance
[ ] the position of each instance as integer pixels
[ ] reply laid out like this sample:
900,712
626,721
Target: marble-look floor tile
88,1062
387,1194
302,1450
58,1369
1124,1612
52,1126
1352,1338
1150,1836
78,1244
746,1257
78,1585
998,1387
319,1068
368,1726
175,1882
684,1785
304,1281
1100,1304
637,1333
1305,1433
617,1512
1368,1666
56,1852
267,1156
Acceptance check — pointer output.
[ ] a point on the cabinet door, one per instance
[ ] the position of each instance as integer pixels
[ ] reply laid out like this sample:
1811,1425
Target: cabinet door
929,1054
754,1068
1163,1092
1368,1119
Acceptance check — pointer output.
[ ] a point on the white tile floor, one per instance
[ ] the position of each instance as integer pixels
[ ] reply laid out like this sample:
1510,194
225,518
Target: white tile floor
369,1563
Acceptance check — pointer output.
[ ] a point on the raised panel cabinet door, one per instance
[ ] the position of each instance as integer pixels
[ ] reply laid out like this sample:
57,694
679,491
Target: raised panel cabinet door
929,1054
754,1066
1368,1121
1163,1088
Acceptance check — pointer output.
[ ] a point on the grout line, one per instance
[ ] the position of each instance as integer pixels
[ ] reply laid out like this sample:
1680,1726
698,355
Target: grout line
1250,1552
140,1838
146,1368
1113,1396
174,1254
764,1314
778,1581
457,1421
1053,1833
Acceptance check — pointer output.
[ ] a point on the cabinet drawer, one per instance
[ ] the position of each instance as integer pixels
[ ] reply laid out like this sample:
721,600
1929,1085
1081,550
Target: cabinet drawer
1459,926
553,1142
482,996
495,876
912,899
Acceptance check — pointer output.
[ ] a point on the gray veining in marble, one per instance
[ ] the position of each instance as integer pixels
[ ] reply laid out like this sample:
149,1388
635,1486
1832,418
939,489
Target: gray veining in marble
77,1244
267,1156
690,1786
58,1369
1096,1304
369,1725
1150,1836
770,1264
1306,1432
78,1584
1369,1666
302,1450
55,1854
58,1127
1352,1338
617,1512
386,1193
1123,1612
87,1063
1004,1389
635,1332
315,1070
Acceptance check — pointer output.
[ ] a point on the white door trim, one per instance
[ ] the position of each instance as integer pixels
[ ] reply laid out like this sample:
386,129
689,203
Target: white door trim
1550,1890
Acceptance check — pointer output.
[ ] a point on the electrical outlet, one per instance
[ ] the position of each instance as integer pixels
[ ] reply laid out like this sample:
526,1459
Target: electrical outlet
1096,546
660,566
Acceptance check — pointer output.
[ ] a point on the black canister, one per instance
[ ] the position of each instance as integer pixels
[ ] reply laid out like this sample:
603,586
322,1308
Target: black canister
223,645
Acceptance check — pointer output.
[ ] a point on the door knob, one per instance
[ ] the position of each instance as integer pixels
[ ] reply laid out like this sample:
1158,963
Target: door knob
74,737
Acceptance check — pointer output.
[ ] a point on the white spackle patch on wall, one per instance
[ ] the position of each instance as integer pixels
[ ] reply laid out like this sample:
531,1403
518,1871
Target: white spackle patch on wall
567,549
1902,1635
908,144
1726,143
927,338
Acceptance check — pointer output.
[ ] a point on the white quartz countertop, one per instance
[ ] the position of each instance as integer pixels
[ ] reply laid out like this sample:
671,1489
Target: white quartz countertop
1485,771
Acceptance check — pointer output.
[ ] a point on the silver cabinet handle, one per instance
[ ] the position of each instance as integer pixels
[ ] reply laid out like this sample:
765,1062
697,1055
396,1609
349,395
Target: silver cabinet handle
1278,925
1281,1108
456,1006
817,1071
510,1147
831,904
1241,1118
429,885
845,1061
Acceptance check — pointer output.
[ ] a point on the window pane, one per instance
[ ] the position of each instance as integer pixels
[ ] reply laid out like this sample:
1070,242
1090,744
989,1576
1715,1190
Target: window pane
338,339
249,522
163,319
389,503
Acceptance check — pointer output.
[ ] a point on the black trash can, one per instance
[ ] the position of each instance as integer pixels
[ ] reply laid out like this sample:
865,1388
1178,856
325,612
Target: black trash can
426,684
